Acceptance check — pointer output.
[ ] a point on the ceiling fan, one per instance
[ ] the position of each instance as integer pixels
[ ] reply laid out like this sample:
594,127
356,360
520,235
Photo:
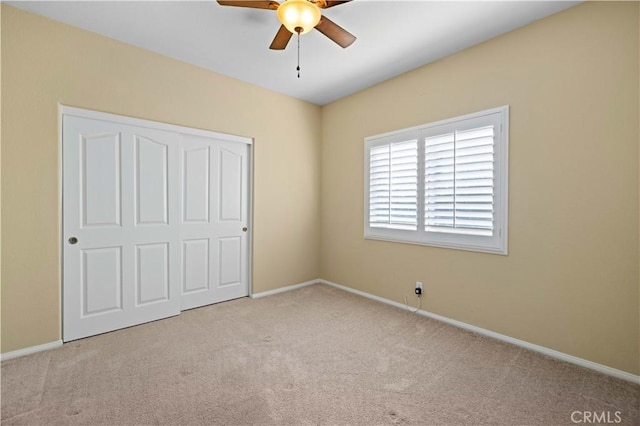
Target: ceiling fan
299,17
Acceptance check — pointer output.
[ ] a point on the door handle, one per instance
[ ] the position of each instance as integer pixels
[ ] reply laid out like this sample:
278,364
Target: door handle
244,229
73,240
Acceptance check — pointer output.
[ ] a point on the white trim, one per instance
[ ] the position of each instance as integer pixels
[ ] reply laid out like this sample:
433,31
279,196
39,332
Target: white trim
521,343
60,218
131,121
249,224
482,331
31,350
465,117
284,289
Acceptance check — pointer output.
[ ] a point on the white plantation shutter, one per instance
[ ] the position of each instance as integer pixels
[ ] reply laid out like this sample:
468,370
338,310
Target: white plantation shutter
379,194
459,182
393,185
442,184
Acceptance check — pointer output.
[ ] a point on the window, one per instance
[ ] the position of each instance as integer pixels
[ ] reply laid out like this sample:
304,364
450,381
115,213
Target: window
441,184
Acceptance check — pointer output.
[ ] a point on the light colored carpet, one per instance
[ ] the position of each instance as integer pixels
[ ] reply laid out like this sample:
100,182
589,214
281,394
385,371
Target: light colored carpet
313,356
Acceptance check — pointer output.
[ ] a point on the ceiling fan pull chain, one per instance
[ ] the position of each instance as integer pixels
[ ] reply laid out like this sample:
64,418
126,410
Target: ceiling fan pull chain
298,67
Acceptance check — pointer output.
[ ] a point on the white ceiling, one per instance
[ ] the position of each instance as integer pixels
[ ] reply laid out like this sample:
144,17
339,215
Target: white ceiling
393,37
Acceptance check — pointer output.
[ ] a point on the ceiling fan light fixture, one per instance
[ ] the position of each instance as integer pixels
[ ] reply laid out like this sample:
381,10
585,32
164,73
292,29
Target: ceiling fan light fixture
299,14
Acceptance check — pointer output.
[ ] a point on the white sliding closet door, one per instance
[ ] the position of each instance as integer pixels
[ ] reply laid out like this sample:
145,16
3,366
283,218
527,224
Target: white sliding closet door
213,231
120,220
155,221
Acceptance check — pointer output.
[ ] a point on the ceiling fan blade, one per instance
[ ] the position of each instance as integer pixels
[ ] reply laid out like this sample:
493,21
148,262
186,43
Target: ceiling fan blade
255,4
281,39
335,32
330,3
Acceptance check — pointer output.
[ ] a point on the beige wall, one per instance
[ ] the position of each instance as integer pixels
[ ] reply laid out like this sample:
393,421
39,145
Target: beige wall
570,281
45,63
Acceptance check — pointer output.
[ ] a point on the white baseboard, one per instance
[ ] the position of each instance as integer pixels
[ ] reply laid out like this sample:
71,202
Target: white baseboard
283,289
52,345
533,347
30,350
521,343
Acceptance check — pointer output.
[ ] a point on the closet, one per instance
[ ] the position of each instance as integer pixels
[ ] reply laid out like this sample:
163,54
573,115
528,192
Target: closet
155,220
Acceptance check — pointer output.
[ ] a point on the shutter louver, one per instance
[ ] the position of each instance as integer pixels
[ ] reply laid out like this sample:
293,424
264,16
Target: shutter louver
459,174
393,185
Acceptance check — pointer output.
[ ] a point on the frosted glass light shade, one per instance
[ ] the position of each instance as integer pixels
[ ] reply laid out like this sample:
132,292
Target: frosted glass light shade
299,13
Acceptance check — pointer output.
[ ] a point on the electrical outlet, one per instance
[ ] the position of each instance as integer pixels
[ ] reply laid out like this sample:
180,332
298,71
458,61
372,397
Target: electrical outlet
418,289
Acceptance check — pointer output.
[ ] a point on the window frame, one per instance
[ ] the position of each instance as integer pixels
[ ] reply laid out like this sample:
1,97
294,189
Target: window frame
498,242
